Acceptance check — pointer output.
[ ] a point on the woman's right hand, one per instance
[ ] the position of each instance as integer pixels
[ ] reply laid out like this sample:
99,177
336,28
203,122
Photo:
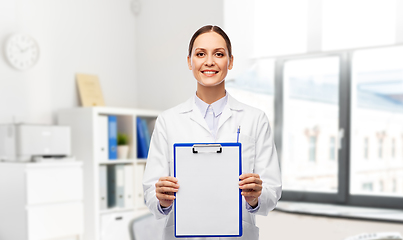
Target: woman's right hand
165,189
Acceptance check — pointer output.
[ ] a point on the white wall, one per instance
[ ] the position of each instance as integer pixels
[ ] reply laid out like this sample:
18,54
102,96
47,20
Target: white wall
140,60
164,29
94,37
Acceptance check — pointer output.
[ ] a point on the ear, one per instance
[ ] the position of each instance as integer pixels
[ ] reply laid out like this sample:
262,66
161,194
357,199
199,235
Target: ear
231,62
189,63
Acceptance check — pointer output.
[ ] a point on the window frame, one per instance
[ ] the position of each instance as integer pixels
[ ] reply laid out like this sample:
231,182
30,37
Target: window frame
343,195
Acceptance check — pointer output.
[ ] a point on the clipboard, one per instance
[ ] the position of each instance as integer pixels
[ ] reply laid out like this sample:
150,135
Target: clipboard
209,201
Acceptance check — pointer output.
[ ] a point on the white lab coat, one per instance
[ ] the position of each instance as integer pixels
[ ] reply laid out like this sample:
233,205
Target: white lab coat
184,123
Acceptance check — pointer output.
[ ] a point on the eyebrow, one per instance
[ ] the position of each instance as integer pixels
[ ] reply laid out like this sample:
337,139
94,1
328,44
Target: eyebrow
214,49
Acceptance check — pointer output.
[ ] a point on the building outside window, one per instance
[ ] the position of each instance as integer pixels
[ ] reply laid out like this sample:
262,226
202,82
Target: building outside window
310,115
394,185
312,149
367,187
377,111
366,148
332,148
381,186
380,148
393,150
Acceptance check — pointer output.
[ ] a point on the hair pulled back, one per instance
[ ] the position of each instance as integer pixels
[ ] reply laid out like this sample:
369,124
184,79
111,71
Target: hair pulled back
210,28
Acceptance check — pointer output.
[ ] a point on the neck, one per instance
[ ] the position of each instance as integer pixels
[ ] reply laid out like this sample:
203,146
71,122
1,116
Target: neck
211,94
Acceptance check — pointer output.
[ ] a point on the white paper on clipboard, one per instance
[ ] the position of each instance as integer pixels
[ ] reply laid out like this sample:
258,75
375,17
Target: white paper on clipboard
208,202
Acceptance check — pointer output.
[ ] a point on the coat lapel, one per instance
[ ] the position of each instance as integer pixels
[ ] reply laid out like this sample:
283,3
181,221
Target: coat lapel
232,105
196,116
191,109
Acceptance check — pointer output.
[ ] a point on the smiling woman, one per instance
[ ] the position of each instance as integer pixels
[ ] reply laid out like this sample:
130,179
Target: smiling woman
210,59
213,116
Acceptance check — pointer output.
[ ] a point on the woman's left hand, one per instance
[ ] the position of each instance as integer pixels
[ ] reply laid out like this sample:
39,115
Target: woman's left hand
251,186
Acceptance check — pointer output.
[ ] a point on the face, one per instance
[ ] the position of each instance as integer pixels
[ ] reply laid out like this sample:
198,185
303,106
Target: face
210,61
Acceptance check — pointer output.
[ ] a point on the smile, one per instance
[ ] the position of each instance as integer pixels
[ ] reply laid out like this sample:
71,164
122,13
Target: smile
209,72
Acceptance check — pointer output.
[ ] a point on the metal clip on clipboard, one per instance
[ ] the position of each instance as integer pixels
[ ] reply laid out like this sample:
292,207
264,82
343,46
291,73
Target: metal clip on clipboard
207,148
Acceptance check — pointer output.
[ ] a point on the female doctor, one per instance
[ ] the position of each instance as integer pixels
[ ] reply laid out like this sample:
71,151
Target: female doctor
212,115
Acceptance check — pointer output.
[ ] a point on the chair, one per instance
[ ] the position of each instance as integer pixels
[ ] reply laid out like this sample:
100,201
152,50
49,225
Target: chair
147,227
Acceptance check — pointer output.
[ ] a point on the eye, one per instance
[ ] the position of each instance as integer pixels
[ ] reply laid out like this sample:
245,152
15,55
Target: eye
200,54
219,54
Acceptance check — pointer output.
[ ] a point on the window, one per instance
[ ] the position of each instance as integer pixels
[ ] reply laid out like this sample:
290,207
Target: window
393,148
367,187
394,185
312,149
342,32
310,113
381,186
255,86
380,148
332,148
356,96
377,111
366,148
285,28
335,114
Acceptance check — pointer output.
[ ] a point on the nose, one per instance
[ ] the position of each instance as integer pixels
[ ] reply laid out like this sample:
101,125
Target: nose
209,61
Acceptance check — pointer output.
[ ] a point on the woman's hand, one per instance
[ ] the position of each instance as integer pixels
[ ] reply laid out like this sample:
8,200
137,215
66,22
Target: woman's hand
251,186
165,189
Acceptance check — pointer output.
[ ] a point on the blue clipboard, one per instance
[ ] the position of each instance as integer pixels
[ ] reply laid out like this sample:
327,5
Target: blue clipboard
209,201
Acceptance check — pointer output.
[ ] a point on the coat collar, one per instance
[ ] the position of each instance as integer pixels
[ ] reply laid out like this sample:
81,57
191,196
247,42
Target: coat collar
190,107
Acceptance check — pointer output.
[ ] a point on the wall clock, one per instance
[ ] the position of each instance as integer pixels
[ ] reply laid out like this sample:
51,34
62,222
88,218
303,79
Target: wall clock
22,51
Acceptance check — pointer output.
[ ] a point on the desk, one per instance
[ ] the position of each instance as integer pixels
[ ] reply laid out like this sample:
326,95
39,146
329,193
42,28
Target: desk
41,200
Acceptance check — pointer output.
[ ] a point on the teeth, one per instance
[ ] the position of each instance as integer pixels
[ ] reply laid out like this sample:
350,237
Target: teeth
208,72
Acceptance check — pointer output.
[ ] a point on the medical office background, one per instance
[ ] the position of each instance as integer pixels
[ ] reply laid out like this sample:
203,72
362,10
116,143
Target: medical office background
329,75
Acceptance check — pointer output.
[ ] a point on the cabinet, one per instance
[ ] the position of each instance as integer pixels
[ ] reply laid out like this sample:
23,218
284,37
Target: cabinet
88,139
41,201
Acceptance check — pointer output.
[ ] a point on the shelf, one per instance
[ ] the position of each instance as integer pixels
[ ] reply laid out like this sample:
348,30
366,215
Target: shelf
116,161
114,210
123,161
141,160
88,139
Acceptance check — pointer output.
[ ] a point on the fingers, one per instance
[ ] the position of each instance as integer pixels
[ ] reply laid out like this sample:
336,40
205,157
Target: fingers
169,179
251,193
165,196
248,175
250,178
251,185
165,189
167,182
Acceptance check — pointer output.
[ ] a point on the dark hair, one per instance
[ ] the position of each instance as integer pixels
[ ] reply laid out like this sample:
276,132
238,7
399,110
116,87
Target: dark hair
210,28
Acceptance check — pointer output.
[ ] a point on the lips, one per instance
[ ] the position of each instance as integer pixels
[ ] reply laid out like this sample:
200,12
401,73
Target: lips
209,72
